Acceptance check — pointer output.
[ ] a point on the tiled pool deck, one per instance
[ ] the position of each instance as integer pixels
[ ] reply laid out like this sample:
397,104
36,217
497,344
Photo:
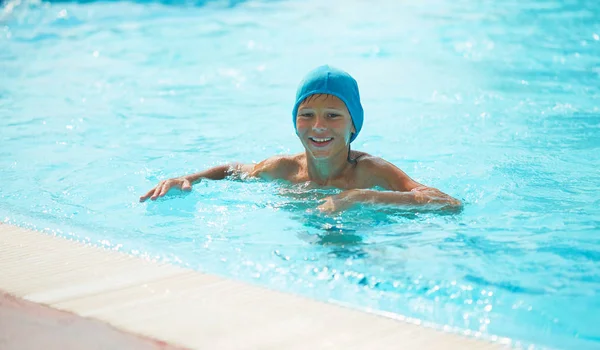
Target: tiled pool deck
60,294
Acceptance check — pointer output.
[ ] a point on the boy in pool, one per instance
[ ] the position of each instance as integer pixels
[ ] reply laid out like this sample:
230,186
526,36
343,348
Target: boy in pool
327,117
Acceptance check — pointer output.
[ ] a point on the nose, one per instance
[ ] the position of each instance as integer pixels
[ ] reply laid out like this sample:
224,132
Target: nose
319,123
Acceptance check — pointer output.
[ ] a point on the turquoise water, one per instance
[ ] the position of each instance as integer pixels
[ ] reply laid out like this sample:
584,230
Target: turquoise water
496,103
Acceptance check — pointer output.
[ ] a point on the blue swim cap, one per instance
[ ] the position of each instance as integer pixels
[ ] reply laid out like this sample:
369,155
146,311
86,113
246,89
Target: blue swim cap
332,81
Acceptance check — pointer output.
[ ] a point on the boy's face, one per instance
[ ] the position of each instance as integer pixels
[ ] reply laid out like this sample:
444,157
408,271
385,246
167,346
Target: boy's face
324,125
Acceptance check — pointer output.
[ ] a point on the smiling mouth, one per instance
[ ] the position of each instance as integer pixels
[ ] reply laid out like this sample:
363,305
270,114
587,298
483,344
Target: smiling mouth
320,141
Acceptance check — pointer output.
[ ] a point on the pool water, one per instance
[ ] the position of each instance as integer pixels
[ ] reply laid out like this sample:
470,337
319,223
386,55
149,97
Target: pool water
495,103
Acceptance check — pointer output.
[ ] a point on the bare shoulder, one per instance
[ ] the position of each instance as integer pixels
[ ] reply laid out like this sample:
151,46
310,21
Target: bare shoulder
376,171
277,167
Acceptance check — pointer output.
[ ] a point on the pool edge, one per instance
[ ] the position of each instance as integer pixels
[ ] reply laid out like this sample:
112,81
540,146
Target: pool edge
186,308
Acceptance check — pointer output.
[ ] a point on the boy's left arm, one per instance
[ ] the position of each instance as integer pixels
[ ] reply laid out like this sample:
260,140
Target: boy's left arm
402,191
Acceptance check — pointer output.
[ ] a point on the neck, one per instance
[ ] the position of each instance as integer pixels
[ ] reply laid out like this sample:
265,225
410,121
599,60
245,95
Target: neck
322,171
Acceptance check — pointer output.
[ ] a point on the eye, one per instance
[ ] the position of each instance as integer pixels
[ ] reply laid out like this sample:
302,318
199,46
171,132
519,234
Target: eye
333,115
306,114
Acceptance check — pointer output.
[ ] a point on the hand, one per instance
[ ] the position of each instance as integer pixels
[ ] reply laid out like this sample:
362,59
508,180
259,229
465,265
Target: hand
424,195
339,202
164,186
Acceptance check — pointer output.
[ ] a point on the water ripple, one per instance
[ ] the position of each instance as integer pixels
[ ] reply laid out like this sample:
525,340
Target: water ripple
493,102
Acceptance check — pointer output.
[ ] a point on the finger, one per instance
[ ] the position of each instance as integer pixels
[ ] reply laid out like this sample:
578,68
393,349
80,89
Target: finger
166,187
147,195
156,192
325,210
186,185
325,207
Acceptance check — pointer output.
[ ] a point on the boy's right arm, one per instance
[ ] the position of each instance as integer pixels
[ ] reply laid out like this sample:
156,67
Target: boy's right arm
263,169
185,182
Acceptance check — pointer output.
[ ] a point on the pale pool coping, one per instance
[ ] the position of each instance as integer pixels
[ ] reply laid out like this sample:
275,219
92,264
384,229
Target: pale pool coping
196,310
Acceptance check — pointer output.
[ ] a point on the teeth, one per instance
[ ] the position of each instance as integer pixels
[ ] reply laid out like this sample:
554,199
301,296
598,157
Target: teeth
320,140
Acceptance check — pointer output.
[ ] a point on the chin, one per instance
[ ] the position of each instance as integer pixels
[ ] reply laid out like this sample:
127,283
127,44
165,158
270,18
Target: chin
319,154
